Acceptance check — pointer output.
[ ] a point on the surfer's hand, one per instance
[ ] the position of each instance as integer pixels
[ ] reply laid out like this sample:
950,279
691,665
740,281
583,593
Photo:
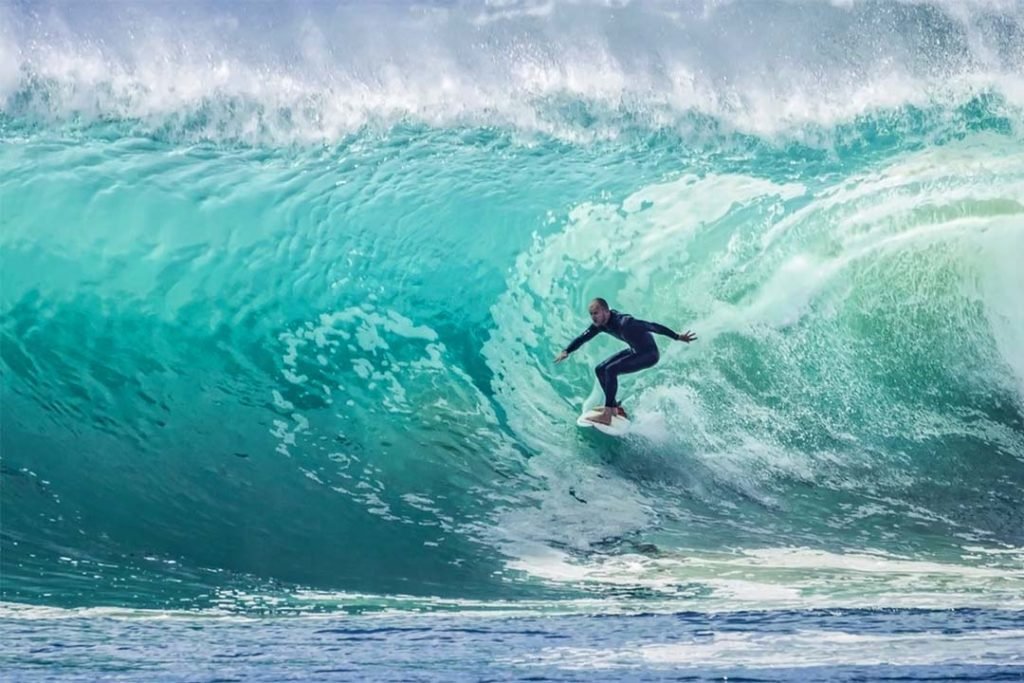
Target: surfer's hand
686,337
560,357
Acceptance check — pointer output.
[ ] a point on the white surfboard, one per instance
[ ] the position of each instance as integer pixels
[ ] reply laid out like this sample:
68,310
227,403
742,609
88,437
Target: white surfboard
619,426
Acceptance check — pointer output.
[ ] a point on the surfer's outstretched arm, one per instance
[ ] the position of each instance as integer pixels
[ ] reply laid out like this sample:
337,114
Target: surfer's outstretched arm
658,328
579,341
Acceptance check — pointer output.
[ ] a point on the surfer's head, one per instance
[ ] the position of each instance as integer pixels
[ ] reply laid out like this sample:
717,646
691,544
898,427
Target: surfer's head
599,311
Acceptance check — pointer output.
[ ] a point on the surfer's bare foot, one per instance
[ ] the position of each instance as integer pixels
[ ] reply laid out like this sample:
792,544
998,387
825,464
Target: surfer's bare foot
621,413
605,418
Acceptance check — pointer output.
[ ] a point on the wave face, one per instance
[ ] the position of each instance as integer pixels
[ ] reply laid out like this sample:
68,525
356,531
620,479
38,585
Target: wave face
281,287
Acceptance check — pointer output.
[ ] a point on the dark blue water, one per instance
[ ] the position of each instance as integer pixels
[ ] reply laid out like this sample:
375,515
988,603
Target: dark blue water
839,645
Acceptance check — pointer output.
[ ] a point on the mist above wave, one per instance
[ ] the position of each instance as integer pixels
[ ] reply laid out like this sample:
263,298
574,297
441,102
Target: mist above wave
307,73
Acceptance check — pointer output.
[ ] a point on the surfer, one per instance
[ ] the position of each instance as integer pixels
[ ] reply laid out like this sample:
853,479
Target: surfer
641,354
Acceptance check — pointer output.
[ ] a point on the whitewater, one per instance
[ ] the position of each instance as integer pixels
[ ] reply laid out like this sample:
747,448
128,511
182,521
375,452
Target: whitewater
281,286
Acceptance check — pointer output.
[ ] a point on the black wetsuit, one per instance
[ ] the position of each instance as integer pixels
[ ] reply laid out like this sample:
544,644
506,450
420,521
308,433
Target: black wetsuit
642,352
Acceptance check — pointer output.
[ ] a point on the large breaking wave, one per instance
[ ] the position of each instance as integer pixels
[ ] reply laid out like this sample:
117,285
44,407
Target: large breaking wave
281,289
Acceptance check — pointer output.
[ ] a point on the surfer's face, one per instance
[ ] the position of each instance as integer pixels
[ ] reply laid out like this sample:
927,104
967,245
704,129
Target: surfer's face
599,314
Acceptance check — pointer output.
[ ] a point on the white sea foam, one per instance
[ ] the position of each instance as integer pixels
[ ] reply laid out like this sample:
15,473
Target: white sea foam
798,649
572,70
791,578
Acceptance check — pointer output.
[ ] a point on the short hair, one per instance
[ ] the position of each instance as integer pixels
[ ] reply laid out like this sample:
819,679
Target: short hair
602,302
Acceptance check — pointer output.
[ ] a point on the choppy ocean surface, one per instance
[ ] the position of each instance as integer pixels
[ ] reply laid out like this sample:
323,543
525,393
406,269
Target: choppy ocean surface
281,285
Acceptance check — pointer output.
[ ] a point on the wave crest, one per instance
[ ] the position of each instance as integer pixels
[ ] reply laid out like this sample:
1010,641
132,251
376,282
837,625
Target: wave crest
309,74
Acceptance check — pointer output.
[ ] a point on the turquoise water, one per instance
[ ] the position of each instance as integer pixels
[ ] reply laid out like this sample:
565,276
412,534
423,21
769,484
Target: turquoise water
281,286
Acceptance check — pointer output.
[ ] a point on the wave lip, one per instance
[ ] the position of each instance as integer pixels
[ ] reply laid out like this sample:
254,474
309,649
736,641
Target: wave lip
569,71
